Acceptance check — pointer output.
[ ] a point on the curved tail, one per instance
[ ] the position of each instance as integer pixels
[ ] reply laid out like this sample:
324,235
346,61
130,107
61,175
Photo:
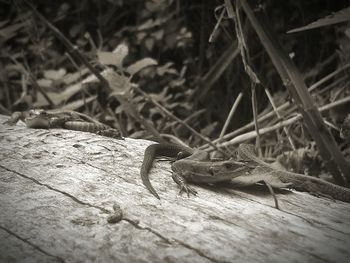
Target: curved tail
155,150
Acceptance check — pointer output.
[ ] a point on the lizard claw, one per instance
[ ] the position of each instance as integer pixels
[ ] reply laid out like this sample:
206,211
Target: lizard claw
189,190
183,185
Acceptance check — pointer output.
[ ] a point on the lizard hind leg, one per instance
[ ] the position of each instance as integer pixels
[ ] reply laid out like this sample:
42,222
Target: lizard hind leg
181,182
272,192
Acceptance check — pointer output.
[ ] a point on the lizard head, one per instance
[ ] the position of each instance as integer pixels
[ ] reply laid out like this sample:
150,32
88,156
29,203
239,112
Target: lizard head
37,119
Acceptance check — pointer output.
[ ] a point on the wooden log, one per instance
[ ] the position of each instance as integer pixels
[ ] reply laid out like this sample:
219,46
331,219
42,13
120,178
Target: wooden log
58,188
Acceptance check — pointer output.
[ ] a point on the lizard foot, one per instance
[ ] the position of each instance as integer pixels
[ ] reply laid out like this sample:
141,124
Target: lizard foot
15,117
181,182
189,190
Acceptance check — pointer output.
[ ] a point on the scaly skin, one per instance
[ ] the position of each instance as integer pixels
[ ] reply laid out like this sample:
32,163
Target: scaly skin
196,167
154,150
70,120
85,126
298,181
208,171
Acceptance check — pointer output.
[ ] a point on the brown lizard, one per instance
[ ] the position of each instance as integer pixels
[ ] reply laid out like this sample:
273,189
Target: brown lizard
279,178
190,166
70,120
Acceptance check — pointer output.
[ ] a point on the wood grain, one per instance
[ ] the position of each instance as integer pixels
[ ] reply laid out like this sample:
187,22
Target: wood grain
58,187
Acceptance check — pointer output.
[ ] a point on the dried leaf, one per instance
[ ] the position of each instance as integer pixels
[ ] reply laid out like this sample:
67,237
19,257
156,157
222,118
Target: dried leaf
92,78
11,30
109,58
149,43
229,9
122,51
45,83
209,130
167,69
338,17
54,74
78,103
141,64
120,84
57,98
150,23
115,58
75,76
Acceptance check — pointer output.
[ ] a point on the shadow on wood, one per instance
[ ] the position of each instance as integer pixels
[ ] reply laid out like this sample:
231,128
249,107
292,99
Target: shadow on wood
58,188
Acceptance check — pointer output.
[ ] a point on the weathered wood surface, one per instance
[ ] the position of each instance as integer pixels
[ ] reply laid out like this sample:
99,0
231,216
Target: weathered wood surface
57,186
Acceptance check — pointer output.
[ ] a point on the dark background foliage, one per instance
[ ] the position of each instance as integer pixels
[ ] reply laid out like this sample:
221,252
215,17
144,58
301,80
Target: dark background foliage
175,33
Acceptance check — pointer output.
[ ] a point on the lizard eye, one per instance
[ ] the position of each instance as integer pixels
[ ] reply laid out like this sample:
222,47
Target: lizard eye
32,113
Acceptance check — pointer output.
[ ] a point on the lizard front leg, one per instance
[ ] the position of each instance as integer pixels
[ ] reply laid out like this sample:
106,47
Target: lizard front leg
40,119
16,116
181,182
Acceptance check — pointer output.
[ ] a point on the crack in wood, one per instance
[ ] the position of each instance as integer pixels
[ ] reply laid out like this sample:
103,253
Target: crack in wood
199,252
56,190
135,224
169,241
130,221
59,259
99,168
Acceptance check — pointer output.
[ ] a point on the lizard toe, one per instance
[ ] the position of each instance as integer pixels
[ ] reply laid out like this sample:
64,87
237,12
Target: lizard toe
189,190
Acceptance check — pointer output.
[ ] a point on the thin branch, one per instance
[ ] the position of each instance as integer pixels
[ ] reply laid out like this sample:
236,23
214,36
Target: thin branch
285,105
230,115
279,117
168,113
252,134
328,77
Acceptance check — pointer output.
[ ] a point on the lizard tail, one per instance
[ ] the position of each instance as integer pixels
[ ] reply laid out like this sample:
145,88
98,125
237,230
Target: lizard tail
154,150
150,154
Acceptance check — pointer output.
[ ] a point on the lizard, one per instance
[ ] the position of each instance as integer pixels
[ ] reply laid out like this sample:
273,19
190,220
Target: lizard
70,120
278,178
196,169
191,166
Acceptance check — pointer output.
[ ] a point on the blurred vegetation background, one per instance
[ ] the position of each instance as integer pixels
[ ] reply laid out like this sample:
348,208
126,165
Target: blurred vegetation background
195,79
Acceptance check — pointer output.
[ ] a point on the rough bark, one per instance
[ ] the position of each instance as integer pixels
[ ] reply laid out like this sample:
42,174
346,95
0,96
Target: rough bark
57,188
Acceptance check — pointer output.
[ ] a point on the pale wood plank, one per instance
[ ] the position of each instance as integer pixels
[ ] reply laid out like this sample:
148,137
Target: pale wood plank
57,186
